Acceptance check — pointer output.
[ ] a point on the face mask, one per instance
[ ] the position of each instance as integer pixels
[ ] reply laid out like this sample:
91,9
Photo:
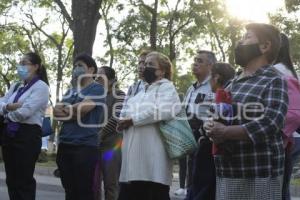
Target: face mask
245,53
149,74
78,71
23,72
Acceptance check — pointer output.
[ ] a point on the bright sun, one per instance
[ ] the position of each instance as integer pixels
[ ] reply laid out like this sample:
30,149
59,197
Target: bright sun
253,10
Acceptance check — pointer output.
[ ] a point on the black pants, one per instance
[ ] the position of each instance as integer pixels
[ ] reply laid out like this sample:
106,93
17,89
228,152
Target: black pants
20,154
144,190
182,171
204,178
195,124
78,166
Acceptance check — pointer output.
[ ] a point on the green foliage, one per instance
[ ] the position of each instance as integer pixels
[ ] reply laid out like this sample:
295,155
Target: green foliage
292,5
5,5
182,83
290,25
181,31
12,44
32,34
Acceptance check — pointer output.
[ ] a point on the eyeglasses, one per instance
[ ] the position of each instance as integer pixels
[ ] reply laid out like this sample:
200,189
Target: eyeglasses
198,60
78,65
25,63
141,62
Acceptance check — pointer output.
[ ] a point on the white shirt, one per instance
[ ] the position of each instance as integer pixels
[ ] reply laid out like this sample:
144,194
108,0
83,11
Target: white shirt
283,69
195,91
144,157
34,103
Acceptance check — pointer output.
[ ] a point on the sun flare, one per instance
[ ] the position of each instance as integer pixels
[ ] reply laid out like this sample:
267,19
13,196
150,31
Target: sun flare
253,10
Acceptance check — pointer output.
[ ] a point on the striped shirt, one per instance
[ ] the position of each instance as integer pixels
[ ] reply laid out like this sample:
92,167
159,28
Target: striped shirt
114,101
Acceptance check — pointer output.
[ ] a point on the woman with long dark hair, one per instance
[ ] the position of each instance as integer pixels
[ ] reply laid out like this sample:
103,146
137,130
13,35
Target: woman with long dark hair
23,109
285,67
284,62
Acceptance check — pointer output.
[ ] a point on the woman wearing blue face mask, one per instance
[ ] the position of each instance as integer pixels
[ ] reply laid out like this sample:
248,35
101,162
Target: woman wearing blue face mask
23,109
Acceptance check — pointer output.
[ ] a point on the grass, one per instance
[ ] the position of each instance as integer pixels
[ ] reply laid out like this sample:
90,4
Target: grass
49,163
295,181
47,160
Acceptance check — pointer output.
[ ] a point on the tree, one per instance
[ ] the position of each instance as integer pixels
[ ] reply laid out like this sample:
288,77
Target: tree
177,21
83,23
58,41
12,45
292,5
105,8
153,10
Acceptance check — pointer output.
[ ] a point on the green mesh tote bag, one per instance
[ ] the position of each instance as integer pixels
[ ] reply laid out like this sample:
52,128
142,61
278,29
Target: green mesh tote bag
177,135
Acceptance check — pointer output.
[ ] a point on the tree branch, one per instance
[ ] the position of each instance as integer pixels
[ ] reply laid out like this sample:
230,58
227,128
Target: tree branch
64,32
142,3
29,35
216,36
68,56
176,7
182,26
65,13
40,29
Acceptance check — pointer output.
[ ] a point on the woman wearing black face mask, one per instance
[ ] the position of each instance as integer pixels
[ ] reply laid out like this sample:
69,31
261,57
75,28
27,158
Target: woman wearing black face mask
254,168
146,168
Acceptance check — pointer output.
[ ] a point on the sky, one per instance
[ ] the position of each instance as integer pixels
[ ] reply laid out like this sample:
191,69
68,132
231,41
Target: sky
253,10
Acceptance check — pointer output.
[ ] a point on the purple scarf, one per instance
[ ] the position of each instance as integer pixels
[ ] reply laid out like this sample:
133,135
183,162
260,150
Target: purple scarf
13,127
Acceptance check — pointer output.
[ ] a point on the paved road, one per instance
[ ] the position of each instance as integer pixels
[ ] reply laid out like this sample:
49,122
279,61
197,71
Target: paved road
49,188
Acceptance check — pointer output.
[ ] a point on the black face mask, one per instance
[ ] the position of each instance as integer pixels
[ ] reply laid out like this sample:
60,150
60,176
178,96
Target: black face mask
245,53
149,74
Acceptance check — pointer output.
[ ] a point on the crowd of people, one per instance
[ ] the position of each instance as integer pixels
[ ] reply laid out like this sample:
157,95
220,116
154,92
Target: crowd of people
112,137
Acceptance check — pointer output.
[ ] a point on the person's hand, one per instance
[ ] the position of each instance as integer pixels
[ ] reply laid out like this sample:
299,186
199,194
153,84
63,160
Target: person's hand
208,125
216,131
62,112
13,106
124,124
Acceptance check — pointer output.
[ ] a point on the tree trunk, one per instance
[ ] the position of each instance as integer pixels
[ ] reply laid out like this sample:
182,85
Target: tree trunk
172,53
85,14
153,29
232,47
108,37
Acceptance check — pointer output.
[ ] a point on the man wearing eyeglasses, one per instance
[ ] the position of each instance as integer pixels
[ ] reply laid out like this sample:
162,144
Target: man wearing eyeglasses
201,178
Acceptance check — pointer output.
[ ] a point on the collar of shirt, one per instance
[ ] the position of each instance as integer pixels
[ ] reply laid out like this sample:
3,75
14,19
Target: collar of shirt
197,84
258,72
